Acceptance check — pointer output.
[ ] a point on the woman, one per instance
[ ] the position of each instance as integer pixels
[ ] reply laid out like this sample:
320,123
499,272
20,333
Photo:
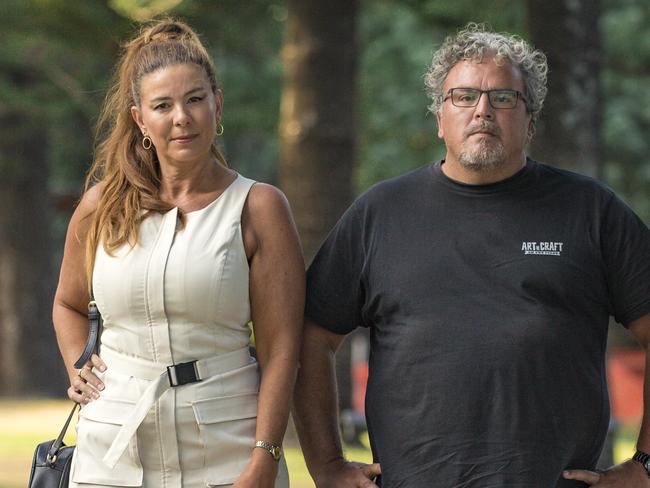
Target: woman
180,253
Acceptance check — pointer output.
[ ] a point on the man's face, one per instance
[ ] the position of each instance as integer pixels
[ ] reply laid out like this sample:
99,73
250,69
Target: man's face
482,138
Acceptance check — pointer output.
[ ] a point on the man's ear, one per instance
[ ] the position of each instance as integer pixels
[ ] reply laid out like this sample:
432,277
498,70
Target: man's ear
441,132
531,131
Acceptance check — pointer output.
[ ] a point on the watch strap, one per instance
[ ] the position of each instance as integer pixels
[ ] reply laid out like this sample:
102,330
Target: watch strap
276,451
644,459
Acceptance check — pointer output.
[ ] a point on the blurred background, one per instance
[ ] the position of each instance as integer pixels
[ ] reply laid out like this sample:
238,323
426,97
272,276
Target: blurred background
322,99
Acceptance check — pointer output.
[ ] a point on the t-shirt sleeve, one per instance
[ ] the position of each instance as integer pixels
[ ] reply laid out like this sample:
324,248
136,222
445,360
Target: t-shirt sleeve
626,250
335,293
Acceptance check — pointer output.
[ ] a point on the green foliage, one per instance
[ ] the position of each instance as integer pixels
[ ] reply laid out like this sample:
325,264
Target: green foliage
53,72
626,119
142,10
398,37
57,59
505,15
245,39
397,40
396,132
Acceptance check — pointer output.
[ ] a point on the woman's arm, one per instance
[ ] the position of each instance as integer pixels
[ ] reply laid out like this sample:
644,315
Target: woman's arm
69,312
277,295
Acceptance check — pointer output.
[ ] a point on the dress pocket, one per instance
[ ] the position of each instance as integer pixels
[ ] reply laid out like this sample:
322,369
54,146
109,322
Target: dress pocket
227,430
99,423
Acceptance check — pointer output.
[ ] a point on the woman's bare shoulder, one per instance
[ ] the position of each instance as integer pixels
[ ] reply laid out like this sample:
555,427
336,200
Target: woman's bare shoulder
265,199
90,200
86,207
267,218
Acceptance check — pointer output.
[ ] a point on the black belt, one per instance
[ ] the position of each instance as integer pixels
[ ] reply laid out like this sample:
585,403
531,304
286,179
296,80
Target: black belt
183,373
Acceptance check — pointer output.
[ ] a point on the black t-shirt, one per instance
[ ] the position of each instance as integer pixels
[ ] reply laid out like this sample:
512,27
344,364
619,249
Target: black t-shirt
488,308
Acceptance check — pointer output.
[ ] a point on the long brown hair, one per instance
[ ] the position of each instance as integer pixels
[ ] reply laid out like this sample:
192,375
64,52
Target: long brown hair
130,174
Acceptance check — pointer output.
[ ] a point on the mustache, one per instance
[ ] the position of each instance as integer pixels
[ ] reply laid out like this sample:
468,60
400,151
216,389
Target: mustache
483,126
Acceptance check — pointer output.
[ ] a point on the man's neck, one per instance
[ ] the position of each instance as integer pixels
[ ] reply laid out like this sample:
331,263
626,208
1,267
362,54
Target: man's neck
469,176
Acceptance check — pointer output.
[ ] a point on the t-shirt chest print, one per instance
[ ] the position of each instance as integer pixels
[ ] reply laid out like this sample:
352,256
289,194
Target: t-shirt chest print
543,247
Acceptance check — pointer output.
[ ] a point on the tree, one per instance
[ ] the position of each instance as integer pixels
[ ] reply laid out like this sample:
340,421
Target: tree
54,70
245,39
25,271
569,132
318,129
626,120
47,69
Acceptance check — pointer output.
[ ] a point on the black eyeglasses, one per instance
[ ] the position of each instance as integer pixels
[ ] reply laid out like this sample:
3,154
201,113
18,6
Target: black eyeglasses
499,99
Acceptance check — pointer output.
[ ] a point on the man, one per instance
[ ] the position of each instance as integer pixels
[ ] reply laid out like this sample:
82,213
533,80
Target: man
486,281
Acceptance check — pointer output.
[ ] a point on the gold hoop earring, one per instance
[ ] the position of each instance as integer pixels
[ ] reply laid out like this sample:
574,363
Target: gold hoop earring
146,142
220,129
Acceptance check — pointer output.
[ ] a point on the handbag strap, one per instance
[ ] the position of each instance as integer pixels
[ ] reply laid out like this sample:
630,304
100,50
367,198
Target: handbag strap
94,324
92,345
56,445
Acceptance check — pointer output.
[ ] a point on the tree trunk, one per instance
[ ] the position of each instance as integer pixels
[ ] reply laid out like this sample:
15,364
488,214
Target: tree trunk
317,116
318,126
28,348
568,134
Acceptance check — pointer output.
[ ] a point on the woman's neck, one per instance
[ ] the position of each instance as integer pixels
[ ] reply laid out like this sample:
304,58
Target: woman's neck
183,185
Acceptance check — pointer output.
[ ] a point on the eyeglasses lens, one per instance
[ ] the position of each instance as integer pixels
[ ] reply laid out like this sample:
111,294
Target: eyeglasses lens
469,97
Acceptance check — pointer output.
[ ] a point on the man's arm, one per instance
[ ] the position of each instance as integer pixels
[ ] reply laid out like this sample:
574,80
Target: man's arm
630,473
316,414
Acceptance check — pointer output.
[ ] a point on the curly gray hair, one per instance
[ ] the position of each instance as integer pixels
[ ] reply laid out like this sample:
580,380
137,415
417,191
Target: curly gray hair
474,42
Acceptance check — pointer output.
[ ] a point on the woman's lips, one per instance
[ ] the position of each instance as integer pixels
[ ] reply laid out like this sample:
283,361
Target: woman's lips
184,139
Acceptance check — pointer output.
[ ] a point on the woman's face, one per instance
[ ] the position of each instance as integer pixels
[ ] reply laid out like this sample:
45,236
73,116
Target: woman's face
179,112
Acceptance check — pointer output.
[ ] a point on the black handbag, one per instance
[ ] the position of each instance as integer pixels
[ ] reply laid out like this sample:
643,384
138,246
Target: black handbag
52,459
51,463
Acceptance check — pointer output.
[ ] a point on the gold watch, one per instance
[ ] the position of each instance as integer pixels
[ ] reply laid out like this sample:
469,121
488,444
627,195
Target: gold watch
276,451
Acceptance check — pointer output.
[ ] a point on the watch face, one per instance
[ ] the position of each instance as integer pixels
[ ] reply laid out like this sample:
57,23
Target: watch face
646,465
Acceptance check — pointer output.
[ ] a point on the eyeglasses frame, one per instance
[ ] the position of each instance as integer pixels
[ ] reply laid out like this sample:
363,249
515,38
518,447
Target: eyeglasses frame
481,92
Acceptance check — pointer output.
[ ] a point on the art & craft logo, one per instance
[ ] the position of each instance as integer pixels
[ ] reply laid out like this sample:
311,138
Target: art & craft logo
542,248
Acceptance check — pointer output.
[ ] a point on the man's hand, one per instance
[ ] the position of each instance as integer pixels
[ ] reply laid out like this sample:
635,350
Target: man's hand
347,474
630,474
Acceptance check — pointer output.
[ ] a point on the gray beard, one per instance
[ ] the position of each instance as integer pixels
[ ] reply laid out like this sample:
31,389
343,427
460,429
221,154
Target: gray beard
484,157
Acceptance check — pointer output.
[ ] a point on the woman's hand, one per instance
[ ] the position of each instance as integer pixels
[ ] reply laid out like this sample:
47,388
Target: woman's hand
85,386
260,472
251,479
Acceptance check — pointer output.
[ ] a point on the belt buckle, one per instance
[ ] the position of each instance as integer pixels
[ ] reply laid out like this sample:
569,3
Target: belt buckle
183,373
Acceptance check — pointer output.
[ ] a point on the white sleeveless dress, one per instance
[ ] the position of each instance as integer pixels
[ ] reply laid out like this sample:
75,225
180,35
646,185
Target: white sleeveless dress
178,296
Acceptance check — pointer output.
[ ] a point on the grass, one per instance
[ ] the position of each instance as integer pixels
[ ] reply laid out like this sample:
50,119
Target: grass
25,423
